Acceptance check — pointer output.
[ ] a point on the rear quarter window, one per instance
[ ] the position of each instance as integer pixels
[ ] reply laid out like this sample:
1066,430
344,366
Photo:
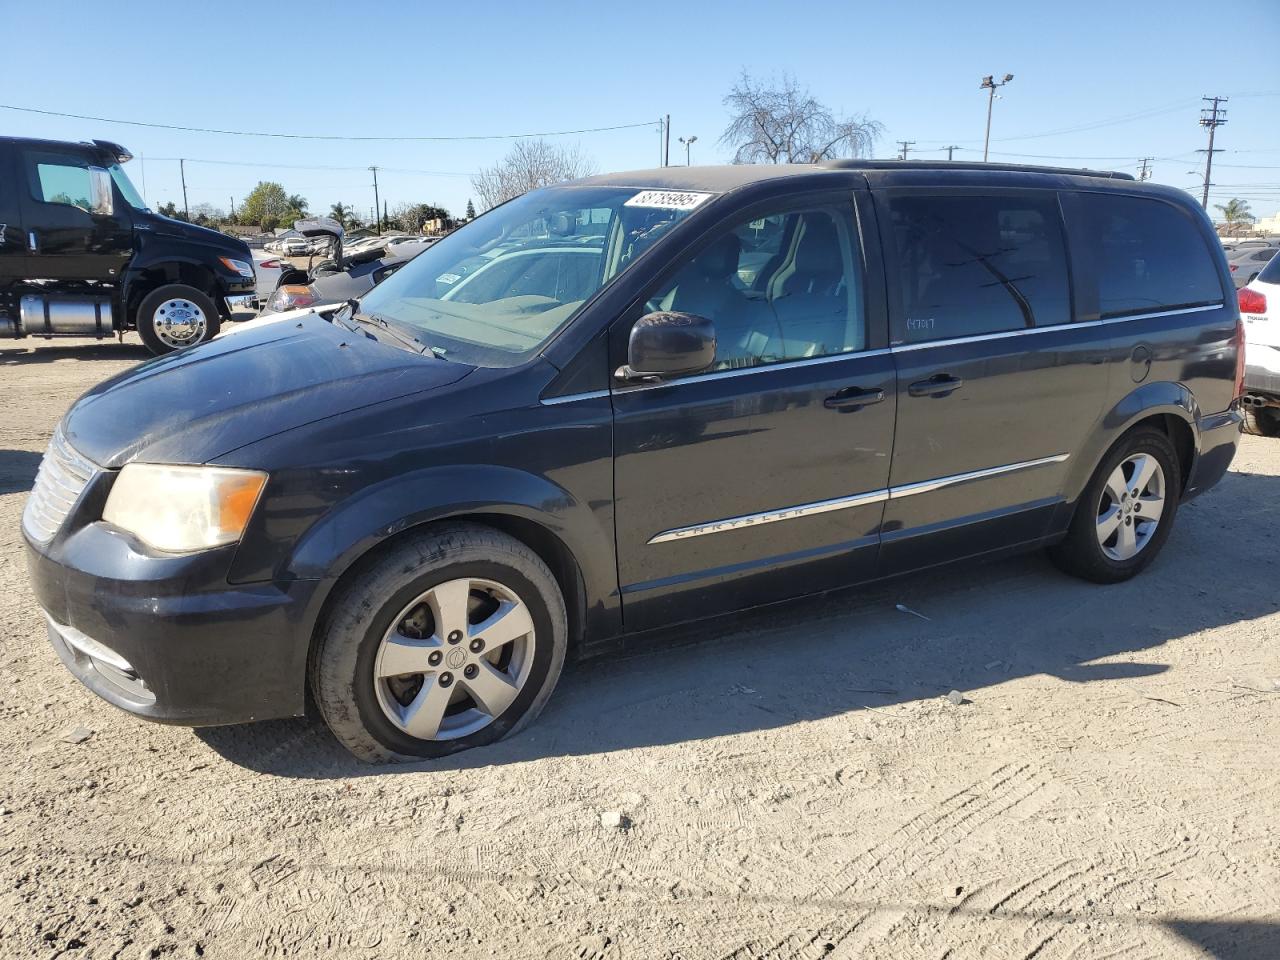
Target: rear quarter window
1148,255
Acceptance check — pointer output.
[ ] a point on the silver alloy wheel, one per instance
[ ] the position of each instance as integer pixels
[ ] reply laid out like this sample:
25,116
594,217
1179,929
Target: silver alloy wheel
454,659
1130,507
179,323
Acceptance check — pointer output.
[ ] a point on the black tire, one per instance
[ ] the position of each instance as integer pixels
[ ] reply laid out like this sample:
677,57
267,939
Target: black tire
1080,554
149,316
342,663
1262,421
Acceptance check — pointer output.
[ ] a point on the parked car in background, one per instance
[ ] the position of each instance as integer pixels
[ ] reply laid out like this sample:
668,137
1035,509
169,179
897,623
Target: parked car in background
267,271
401,246
81,255
295,246
1246,263
1260,311
578,418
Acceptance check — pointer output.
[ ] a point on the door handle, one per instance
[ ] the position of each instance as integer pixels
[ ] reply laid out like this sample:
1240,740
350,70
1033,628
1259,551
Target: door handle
939,385
853,398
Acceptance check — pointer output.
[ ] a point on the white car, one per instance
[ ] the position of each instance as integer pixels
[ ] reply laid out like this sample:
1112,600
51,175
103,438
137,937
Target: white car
408,246
266,270
1260,311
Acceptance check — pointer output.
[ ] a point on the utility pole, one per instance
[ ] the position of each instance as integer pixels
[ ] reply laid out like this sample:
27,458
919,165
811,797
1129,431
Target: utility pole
688,147
950,150
182,170
1211,117
377,205
904,146
666,149
233,208
989,84
1145,172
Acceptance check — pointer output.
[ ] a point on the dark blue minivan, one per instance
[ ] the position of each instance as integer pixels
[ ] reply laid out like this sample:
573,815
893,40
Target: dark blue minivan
616,404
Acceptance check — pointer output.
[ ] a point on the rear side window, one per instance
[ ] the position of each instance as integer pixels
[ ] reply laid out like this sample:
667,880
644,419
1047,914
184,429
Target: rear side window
1148,256
1271,272
969,265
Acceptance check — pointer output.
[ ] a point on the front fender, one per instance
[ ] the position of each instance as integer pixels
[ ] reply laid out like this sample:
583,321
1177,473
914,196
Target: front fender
384,510
1146,400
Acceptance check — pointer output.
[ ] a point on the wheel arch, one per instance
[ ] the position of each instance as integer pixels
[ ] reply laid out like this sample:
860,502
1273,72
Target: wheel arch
145,278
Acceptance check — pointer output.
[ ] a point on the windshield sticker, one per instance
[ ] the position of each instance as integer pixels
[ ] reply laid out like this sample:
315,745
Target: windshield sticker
448,278
668,199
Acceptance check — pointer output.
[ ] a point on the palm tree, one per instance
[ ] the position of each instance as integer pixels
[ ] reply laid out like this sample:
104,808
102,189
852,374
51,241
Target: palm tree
1236,211
340,212
298,203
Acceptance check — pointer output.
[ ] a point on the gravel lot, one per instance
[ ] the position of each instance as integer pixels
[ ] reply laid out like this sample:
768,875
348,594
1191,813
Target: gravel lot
791,785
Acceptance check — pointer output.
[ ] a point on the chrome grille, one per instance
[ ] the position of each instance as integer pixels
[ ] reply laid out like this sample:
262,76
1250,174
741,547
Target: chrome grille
62,477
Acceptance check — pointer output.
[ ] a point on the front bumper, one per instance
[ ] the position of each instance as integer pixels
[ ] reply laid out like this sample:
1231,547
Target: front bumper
168,638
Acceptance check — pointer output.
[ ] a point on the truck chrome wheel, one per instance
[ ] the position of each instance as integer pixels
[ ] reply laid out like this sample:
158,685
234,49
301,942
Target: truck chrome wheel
454,659
1131,505
179,323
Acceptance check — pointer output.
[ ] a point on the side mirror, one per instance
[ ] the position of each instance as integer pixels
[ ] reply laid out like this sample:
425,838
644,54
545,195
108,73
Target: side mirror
668,344
101,196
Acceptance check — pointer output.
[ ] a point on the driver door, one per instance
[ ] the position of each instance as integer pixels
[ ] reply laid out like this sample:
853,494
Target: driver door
764,477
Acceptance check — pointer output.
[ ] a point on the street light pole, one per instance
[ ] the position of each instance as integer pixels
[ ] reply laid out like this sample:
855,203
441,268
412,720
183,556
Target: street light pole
688,146
989,84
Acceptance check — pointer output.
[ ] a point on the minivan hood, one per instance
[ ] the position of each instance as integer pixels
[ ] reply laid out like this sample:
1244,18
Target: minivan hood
199,404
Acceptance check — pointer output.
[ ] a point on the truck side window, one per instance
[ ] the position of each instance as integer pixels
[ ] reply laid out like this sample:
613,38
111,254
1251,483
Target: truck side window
969,265
778,287
64,183
1149,255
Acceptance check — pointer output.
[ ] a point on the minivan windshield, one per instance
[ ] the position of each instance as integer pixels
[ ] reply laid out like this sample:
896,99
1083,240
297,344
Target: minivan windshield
493,292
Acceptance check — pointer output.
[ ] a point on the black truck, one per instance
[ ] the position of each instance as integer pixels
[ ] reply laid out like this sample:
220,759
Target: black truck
82,256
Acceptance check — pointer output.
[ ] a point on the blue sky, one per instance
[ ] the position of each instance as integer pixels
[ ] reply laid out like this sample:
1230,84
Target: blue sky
500,67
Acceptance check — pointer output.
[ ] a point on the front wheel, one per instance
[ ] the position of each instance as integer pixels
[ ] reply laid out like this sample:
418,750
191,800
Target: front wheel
447,641
1126,512
176,316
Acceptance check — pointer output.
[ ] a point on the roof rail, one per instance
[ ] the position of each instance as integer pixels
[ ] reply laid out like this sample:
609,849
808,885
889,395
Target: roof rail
969,165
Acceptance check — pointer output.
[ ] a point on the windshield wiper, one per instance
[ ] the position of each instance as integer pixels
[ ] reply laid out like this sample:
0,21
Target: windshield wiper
396,331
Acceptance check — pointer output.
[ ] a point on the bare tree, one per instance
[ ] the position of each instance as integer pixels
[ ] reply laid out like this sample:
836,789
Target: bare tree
528,165
781,122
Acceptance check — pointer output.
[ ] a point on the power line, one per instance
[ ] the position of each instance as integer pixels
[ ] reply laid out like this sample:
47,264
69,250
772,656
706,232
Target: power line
305,166
318,136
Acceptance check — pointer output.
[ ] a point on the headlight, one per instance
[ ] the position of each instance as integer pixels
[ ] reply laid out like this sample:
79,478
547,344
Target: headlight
242,267
183,509
292,296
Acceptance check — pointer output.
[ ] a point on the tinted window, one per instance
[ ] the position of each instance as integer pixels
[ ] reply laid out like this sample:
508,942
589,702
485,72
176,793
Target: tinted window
1271,272
778,287
64,184
1148,256
970,265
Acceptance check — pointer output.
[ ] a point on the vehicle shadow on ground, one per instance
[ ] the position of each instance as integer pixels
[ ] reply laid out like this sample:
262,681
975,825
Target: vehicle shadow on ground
823,657
39,352
18,470
1230,939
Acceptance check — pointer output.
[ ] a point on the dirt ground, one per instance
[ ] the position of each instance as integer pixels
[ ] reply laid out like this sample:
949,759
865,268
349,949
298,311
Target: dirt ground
794,784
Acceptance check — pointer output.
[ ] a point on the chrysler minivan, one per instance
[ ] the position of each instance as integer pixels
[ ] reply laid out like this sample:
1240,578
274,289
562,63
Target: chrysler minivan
633,400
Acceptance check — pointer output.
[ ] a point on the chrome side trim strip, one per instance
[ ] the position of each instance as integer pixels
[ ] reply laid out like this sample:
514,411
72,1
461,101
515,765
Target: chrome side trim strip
845,503
928,486
1029,331
771,516
762,368
571,397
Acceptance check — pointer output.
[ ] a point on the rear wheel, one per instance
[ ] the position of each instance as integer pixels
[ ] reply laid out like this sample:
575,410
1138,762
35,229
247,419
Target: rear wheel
1126,512
1262,421
448,641
176,316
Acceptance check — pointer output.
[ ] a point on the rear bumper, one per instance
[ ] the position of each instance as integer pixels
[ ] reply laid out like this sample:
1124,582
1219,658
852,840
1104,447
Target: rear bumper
1219,438
1261,380
174,643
